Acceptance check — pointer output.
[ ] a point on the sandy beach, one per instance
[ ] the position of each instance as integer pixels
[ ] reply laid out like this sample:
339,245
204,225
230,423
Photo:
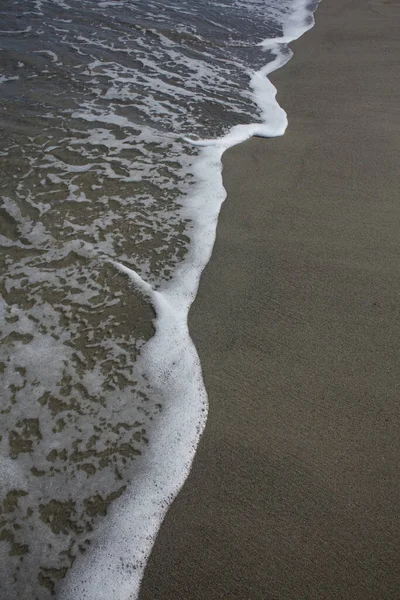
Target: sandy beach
294,492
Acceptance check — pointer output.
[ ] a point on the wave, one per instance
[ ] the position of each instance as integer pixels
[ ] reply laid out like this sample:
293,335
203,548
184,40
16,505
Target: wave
169,362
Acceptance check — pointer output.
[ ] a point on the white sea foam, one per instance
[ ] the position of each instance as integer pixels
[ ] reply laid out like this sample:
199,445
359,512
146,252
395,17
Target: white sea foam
4,78
16,31
50,53
113,569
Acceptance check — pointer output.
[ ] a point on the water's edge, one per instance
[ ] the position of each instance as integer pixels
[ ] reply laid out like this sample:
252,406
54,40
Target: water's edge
169,362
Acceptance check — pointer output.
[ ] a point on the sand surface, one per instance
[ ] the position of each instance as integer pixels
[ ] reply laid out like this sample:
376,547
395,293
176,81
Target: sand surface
295,490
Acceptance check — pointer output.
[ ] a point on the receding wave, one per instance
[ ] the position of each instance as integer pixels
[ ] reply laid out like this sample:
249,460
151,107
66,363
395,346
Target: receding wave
114,119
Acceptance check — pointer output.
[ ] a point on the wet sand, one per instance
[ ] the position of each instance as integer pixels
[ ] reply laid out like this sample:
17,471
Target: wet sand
294,493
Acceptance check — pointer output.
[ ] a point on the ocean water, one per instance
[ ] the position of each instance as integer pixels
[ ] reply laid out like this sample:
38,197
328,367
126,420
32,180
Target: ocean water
114,117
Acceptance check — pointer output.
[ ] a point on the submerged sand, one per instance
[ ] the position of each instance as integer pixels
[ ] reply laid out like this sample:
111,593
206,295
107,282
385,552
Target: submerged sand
294,493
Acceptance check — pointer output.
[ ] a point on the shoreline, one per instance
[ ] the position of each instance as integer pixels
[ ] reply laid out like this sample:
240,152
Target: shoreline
163,470
294,486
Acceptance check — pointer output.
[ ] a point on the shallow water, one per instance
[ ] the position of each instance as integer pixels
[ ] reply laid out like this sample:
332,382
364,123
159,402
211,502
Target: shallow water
97,102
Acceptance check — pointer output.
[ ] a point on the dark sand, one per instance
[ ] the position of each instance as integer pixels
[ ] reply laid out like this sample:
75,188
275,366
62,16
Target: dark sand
295,490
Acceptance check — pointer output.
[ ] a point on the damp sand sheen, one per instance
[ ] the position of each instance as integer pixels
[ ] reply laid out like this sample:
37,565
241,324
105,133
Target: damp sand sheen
116,118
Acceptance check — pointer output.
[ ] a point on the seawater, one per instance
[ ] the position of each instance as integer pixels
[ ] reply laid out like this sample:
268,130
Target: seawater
114,117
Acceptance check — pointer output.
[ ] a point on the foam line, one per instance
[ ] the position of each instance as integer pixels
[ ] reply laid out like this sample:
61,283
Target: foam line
140,283
114,568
